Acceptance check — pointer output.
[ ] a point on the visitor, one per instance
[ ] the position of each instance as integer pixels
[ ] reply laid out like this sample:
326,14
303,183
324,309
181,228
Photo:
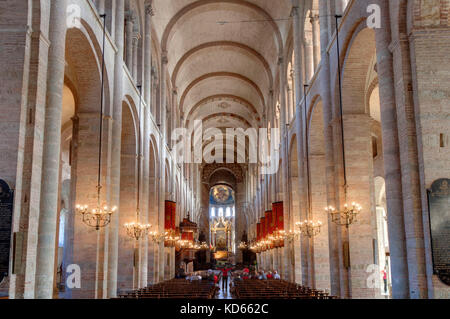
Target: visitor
225,272
276,275
262,275
383,272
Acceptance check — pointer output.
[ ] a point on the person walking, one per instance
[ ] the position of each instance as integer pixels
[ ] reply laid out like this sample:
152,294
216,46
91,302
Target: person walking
225,272
383,272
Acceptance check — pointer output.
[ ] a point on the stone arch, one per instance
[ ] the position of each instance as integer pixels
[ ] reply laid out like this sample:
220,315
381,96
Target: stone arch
193,6
360,50
245,103
221,74
318,194
127,208
256,55
83,53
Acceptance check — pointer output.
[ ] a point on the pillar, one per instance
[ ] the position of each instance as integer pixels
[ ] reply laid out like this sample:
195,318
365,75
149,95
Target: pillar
299,249
135,42
149,247
129,24
116,149
334,241
391,156
315,38
46,249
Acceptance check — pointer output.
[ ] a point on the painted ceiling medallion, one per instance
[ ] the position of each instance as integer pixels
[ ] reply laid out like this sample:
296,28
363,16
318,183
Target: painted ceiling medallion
221,194
224,105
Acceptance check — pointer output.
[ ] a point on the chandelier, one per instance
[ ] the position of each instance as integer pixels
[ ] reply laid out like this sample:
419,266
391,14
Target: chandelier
291,235
184,244
156,237
101,215
171,238
309,228
243,246
136,230
255,248
277,238
344,217
347,216
98,217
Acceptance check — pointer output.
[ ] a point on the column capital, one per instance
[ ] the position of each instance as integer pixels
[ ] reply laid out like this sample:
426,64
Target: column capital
164,58
149,8
295,11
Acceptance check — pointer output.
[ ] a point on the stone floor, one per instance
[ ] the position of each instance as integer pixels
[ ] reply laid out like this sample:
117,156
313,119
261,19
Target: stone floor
224,293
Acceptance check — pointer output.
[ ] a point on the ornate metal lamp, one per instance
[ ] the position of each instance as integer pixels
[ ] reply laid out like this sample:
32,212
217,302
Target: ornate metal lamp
243,245
309,228
171,238
291,235
101,215
156,237
136,230
346,216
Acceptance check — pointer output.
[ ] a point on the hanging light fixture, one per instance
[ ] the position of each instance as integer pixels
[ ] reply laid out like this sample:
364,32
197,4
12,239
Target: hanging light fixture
101,215
243,245
136,230
291,235
308,227
348,215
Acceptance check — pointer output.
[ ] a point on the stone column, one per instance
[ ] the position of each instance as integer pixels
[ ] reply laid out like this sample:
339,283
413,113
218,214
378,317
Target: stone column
403,47
309,56
135,41
284,155
129,25
116,149
334,241
163,105
147,247
275,265
315,38
391,156
46,249
299,125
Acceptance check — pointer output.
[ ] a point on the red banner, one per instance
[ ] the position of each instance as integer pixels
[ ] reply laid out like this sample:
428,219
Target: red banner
169,215
277,209
263,228
268,216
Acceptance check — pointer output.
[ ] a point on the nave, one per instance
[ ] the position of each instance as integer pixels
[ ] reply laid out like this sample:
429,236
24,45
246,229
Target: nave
144,141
